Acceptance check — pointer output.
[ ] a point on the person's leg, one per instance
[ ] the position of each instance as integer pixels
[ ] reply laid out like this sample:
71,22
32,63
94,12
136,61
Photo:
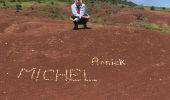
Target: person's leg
83,21
75,23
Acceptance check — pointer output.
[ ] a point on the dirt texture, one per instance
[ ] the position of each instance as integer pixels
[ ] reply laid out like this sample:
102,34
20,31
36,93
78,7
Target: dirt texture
51,45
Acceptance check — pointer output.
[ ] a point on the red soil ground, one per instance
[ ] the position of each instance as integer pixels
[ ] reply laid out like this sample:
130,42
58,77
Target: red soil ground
44,43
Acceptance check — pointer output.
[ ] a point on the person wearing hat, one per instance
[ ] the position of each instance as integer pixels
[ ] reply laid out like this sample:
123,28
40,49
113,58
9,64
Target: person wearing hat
79,15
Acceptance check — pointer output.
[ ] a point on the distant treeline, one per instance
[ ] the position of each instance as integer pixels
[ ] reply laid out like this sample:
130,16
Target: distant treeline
115,2
112,1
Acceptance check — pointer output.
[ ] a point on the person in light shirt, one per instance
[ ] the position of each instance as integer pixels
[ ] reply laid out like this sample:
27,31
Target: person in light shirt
79,15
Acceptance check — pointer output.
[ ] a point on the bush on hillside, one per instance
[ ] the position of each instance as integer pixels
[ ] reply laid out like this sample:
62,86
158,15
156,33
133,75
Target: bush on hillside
141,7
52,2
4,4
140,16
163,8
152,8
18,7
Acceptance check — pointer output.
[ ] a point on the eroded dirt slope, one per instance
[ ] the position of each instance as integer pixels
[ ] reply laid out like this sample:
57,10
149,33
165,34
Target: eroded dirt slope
32,50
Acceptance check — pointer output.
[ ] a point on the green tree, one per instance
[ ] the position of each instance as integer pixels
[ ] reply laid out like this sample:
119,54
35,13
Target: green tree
152,8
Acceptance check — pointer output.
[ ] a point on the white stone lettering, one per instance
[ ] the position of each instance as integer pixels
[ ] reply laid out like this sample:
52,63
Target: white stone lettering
27,71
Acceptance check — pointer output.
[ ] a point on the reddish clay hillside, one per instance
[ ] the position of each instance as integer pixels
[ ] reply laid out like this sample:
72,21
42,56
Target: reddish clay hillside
43,59
158,17
128,15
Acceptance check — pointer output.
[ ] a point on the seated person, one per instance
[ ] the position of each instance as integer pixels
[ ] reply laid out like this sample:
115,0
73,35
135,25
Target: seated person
79,15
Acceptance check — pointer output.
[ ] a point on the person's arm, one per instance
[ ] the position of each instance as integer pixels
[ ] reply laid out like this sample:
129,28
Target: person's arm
87,17
83,12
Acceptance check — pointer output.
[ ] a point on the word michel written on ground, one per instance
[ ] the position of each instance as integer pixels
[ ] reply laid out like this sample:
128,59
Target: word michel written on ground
68,74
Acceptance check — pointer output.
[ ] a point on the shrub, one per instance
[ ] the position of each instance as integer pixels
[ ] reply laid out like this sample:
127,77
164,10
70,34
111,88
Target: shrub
140,17
152,8
4,4
39,1
55,14
18,7
163,8
12,0
52,2
108,12
141,7
122,6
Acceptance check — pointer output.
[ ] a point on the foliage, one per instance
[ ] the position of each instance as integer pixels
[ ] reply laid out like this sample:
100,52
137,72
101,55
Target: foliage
56,14
151,26
18,7
52,2
140,16
4,4
141,7
163,8
152,8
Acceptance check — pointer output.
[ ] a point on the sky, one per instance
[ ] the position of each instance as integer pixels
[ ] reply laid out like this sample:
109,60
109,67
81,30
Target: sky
159,3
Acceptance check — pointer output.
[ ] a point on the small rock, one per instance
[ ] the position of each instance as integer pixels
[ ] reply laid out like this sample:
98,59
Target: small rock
61,41
162,50
4,92
150,78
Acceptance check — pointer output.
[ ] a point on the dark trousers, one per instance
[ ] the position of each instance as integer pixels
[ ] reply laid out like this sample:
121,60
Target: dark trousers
82,21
